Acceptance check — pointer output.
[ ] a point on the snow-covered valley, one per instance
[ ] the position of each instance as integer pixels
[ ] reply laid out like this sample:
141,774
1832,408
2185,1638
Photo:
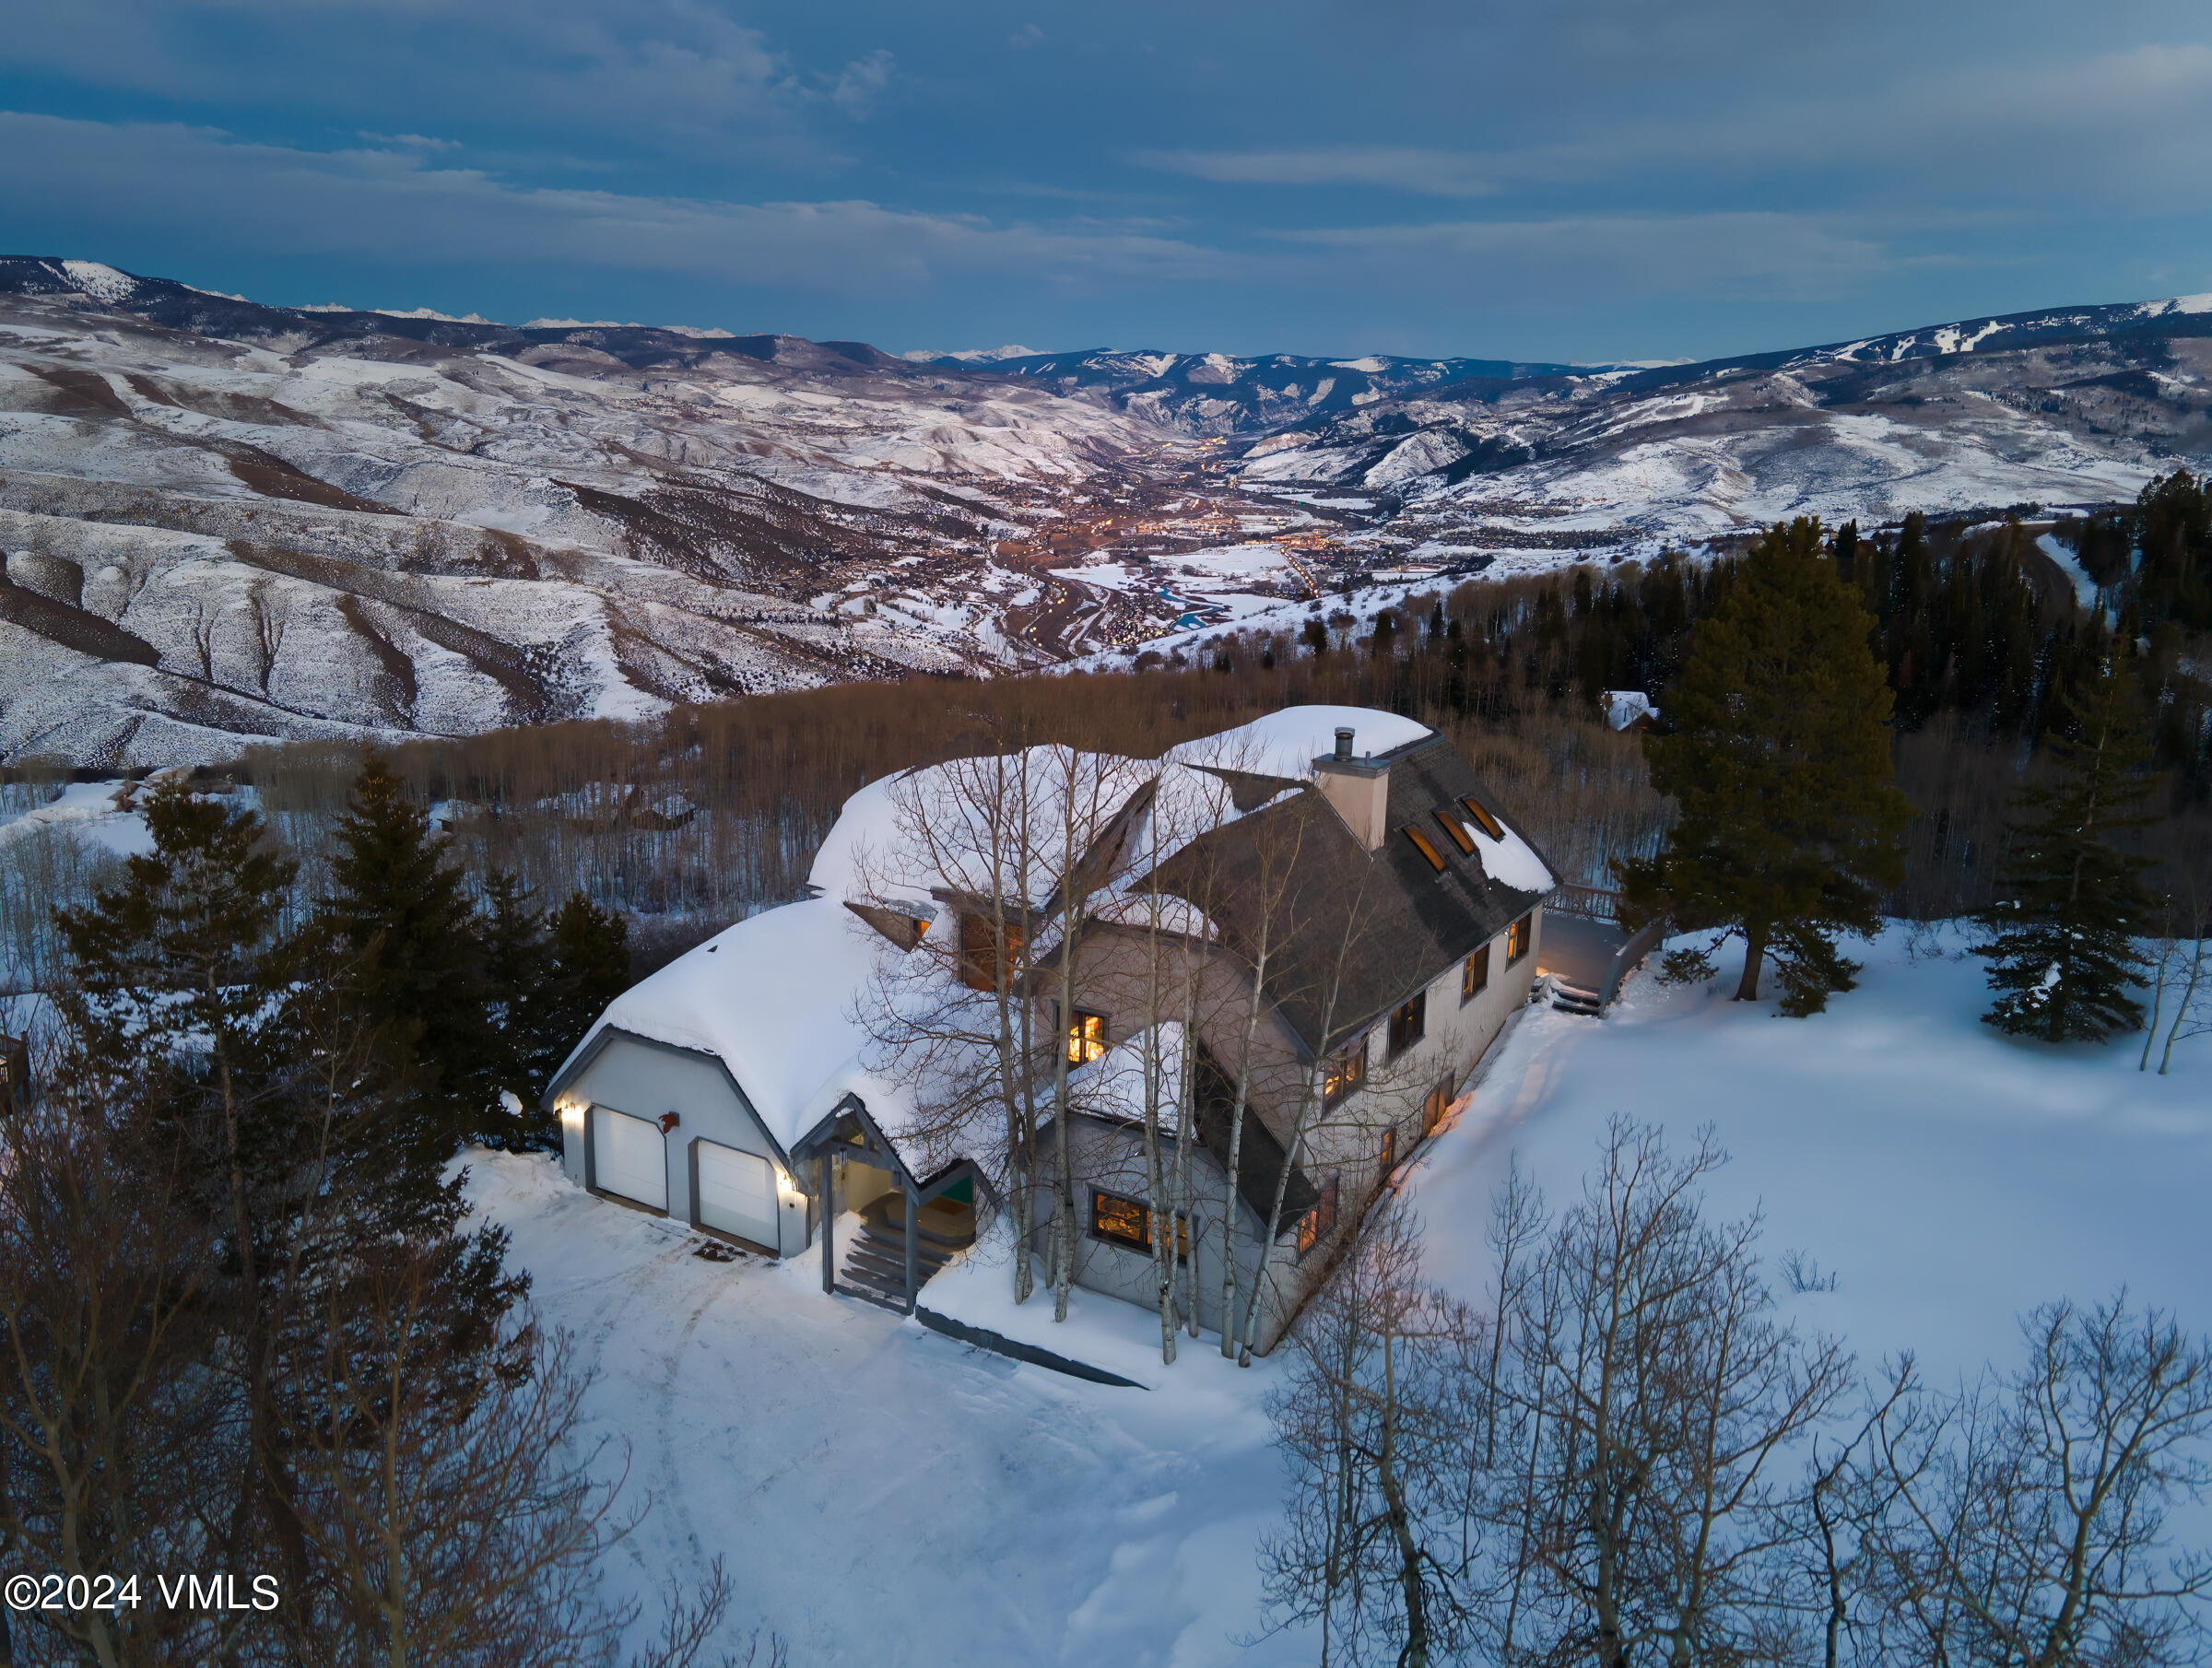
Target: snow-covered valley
225,522
1949,1177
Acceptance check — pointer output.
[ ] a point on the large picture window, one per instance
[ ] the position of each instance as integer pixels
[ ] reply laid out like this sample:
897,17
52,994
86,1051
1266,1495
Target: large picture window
1516,939
1408,1023
1475,975
1086,1038
1128,1222
1347,1070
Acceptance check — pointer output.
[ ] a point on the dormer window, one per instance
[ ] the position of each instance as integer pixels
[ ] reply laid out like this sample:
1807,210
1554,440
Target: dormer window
1458,832
1426,848
1489,824
983,960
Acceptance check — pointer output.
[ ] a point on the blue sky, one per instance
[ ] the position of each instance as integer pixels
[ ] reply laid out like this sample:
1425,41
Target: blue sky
1553,178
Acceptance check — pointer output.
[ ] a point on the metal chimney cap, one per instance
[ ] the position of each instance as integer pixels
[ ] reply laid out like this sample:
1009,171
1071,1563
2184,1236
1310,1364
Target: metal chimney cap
1344,741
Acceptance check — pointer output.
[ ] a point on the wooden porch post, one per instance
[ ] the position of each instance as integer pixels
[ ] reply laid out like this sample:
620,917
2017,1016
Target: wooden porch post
828,1216
913,1238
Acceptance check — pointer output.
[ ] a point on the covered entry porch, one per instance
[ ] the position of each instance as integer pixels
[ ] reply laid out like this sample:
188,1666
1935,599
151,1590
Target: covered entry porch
909,1226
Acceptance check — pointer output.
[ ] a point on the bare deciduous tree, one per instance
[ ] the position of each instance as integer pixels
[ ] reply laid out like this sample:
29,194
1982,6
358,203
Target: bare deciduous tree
1377,1422
2030,1524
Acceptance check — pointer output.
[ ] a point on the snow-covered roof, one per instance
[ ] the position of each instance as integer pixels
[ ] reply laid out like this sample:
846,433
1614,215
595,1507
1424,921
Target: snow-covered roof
773,998
778,997
1287,743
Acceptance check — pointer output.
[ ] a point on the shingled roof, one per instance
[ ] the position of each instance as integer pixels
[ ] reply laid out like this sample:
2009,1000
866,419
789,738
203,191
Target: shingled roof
1365,928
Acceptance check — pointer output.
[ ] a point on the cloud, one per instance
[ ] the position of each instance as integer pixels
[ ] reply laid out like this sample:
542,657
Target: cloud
386,205
859,83
1027,36
1711,255
409,141
1442,173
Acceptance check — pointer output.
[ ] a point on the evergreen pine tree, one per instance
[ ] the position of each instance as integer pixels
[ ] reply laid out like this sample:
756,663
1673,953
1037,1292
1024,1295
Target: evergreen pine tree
403,911
591,968
2061,949
189,946
516,968
1791,823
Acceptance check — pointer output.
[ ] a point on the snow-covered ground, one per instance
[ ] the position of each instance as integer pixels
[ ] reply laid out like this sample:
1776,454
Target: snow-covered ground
884,1494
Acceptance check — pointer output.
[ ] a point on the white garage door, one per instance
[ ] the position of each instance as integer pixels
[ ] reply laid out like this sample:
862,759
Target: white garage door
736,1193
629,1156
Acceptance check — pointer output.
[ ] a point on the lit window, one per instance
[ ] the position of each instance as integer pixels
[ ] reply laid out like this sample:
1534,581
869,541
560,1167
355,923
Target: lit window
1387,1159
1086,1038
1426,847
1434,1107
1347,1070
1121,1221
1475,975
1516,939
1458,832
1408,1023
1490,824
1314,1226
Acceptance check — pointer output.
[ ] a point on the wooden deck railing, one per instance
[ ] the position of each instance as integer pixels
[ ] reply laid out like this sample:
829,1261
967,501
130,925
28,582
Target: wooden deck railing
1596,902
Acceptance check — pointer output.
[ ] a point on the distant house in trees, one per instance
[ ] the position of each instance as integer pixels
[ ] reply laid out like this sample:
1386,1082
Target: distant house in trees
1277,918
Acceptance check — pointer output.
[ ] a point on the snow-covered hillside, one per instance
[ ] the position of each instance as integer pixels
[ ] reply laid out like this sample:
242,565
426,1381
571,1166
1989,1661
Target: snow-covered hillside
223,522
1948,1176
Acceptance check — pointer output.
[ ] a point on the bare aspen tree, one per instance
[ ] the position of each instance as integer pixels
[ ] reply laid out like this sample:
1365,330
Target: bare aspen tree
1310,1095
967,830
2031,1516
1647,1397
1375,1422
1271,908
1088,790
2193,1004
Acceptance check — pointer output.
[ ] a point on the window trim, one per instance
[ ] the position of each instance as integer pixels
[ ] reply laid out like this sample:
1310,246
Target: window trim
1413,1010
1458,832
1470,986
1425,846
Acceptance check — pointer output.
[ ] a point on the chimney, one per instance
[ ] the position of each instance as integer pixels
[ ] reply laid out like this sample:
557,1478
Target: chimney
1357,789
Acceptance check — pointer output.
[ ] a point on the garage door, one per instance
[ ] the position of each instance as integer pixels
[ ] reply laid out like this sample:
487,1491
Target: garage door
629,1156
736,1194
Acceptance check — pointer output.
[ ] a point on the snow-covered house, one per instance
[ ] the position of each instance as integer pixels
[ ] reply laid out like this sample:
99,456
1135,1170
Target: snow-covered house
1349,919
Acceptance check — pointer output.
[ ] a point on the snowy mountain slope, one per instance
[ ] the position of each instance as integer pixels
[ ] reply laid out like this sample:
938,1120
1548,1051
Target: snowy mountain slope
1216,394
2076,405
225,522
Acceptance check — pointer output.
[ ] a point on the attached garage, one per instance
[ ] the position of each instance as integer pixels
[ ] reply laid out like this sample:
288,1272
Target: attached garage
735,1193
629,1156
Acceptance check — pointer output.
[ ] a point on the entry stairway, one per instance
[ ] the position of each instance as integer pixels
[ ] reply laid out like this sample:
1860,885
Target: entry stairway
874,1265
1573,999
